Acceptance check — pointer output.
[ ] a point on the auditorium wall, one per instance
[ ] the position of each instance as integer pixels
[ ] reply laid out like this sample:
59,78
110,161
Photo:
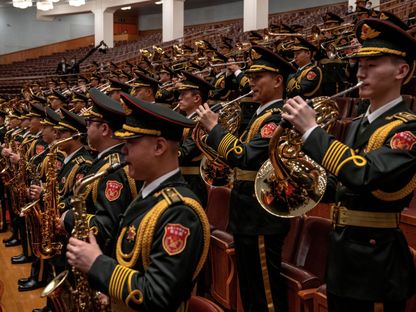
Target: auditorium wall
227,11
19,29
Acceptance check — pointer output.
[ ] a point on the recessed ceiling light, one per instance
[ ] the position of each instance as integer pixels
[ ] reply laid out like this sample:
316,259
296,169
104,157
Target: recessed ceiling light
126,8
159,2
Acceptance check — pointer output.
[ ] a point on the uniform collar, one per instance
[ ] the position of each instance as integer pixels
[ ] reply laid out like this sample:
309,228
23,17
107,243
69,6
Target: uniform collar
108,149
69,157
380,111
261,108
149,188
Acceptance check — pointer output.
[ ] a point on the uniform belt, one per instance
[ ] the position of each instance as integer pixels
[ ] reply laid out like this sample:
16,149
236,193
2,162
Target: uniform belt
244,175
190,170
341,216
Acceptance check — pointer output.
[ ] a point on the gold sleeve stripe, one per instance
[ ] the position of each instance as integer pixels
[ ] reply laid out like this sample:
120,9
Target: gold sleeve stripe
225,142
336,158
123,277
118,283
329,152
359,161
115,276
332,156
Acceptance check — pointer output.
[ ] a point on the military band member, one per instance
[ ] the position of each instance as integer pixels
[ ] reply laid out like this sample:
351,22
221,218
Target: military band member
145,87
3,204
193,92
306,81
13,128
115,89
370,267
258,236
164,233
78,102
40,268
108,198
165,94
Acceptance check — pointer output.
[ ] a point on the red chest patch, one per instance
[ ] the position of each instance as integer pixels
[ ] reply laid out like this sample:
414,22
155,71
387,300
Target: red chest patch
311,75
403,141
268,130
113,190
174,239
39,149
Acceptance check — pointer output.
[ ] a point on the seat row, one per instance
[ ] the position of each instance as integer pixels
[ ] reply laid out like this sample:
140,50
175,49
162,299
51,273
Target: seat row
304,258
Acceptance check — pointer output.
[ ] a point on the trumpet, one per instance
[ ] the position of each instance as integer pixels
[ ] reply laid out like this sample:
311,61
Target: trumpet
217,107
227,63
348,25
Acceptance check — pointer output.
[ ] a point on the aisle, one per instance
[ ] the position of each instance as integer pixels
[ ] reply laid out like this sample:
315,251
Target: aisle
13,300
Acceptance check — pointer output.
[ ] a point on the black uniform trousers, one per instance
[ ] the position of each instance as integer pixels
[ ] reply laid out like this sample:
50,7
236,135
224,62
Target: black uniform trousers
259,259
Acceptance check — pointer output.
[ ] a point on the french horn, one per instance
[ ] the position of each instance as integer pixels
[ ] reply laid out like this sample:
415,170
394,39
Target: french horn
290,183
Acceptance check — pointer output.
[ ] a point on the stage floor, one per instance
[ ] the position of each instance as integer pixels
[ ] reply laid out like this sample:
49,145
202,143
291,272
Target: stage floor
13,300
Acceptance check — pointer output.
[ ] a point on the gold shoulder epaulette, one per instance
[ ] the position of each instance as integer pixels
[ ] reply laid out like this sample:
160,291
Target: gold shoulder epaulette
113,158
81,160
403,116
171,195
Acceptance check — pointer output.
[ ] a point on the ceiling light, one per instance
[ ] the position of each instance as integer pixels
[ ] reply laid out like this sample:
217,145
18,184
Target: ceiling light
76,3
159,2
22,4
44,5
126,8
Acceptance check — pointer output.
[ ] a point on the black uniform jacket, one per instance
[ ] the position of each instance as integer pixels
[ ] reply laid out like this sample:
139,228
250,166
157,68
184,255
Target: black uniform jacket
373,171
107,199
305,82
76,168
157,252
248,153
190,158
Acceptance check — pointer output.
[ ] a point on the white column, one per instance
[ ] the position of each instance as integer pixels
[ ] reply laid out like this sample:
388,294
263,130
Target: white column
256,14
103,24
173,19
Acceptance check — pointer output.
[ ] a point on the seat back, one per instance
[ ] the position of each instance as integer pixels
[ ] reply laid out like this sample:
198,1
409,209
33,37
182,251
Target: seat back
201,304
312,250
217,209
291,240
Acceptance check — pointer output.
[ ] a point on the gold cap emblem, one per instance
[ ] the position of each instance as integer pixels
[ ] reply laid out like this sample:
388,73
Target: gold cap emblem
368,33
254,55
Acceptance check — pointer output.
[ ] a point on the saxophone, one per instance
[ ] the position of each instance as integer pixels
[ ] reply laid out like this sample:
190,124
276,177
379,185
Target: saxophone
80,298
290,183
43,222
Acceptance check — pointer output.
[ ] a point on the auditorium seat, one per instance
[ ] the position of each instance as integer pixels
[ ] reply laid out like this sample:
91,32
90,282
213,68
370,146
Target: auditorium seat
345,106
201,304
217,209
341,127
291,240
223,269
306,272
320,301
